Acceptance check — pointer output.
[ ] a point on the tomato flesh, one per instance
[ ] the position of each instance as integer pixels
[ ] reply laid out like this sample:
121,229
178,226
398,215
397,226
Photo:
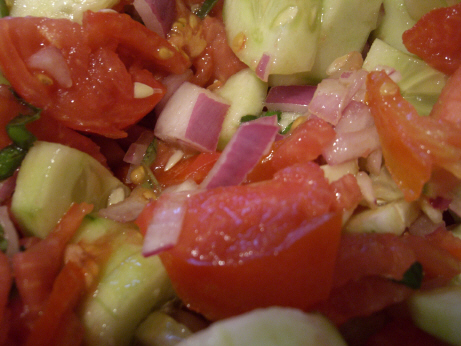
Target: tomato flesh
436,38
255,245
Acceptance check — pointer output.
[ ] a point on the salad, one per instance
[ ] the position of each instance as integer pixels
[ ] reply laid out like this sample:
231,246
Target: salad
230,172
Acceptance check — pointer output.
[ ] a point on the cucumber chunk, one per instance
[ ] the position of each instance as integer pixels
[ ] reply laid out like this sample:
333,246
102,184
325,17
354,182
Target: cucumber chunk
345,27
52,177
420,84
129,285
266,327
72,10
287,31
438,312
246,94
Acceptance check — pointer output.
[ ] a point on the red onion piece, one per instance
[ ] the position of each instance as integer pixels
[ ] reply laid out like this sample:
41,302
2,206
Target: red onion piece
193,116
10,233
51,61
172,82
7,187
356,116
166,223
351,145
261,70
251,141
127,210
334,95
136,150
157,15
290,98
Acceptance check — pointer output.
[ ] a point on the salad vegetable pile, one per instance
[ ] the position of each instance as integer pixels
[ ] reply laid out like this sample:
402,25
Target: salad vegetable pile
230,172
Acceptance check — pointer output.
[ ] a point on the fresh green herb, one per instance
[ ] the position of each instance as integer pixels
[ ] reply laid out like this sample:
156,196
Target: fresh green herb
151,181
151,153
4,10
12,155
413,277
207,6
247,118
286,129
3,241
271,113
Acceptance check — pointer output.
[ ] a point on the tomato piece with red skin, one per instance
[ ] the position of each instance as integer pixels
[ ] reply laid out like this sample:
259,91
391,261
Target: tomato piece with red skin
248,246
447,108
436,38
5,287
101,98
412,145
304,143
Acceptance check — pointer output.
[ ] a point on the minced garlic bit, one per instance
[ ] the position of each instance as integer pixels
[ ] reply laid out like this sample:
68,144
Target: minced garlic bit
142,90
138,175
238,43
116,196
165,53
352,61
389,89
44,79
174,159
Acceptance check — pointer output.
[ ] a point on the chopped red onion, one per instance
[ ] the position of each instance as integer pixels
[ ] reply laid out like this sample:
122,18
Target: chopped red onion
261,70
423,226
290,98
193,116
333,95
251,141
351,145
7,187
166,223
10,233
51,61
136,150
356,116
157,15
172,82
128,209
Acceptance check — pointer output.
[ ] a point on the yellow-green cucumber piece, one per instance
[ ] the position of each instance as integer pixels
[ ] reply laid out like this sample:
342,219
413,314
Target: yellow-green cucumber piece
345,27
420,84
72,10
52,177
393,217
129,285
438,312
160,329
273,326
287,31
246,94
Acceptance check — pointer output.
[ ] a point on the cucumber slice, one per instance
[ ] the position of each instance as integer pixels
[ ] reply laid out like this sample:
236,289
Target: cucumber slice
287,31
421,85
52,177
246,94
345,27
438,312
266,327
129,284
72,10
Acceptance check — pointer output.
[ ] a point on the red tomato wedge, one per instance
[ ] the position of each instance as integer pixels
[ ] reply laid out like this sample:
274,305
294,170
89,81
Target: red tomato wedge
100,98
36,268
256,245
436,38
411,144
5,287
448,105
305,143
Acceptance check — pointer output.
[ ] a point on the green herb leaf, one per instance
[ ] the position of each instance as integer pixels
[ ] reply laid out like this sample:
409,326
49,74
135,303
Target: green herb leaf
287,129
271,113
3,241
150,154
247,118
10,158
4,10
413,277
207,6
18,132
